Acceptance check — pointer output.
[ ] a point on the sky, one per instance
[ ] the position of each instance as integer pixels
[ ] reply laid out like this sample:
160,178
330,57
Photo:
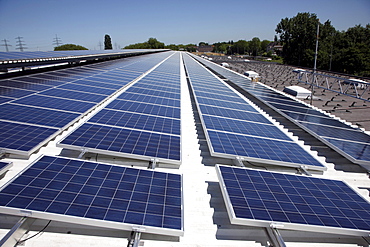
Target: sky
86,23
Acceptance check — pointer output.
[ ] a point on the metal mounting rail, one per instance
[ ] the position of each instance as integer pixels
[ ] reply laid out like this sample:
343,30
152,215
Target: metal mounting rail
349,87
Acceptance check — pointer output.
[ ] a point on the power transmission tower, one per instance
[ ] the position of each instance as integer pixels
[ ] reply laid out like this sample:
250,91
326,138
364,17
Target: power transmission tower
20,44
57,41
100,45
6,44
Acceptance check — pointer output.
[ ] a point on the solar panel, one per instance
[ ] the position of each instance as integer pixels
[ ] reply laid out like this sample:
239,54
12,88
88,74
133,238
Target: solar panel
137,124
4,167
314,121
96,194
39,116
56,103
261,198
235,128
23,139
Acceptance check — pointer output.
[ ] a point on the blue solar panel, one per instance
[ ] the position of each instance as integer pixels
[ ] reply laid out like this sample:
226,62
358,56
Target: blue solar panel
243,127
56,103
4,167
150,99
22,137
14,92
31,115
87,89
68,94
154,93
125,141
94,83
137,121
338,133
235,114
137,107
22,85
259,198
358,151
97,194
272,151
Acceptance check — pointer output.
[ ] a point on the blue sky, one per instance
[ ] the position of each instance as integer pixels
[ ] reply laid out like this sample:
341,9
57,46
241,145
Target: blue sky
171,22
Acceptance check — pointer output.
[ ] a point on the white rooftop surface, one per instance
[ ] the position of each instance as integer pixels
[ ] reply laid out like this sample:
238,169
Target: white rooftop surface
205,218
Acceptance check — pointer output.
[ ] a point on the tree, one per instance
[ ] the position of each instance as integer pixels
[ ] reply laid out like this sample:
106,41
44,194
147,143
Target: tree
298,36
67,47
255,46
152,43
202,43
107,42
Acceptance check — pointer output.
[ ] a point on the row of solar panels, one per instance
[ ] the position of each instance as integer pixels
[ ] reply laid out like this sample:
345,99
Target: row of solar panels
14,55
235,128
350,141
36,108
142,122
123,198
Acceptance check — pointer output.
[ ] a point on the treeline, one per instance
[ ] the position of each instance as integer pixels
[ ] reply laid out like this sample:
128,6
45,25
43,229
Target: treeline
153,43
254,47
340,51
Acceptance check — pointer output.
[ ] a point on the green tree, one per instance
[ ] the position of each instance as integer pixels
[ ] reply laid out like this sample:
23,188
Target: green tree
107,42
255,46
68,47
298,37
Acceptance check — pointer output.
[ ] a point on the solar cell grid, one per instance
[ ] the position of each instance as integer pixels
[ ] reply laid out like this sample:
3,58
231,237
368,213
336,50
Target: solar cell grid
333,132
226,104
72,95
144,91
358,151
243,127
137,121
14,92
257,198
32,79
22,85
98,194
149,99
32,115
273,151
156,87
55,103
22,137
124,141
235,114
145,108
99,84
88,89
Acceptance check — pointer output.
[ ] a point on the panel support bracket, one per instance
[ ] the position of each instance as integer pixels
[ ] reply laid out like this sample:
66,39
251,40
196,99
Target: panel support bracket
274,235
153,163
2,153
238,161
83,151
16,233
303,170
134,238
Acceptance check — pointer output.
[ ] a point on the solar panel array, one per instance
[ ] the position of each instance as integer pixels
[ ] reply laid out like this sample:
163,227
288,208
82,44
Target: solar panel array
235,128
349,141
142,122
37,107
261,198
96,194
